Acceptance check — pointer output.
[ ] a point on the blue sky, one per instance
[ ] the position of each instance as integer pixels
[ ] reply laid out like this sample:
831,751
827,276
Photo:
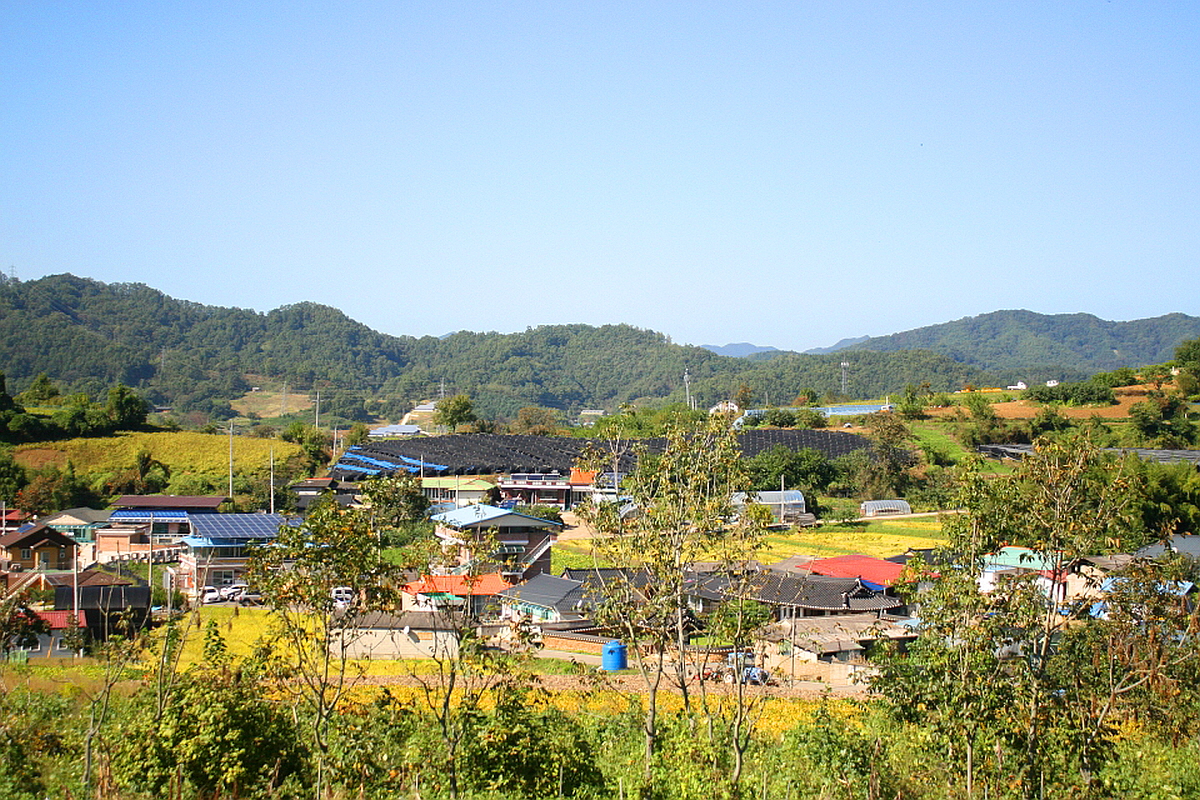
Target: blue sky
787,174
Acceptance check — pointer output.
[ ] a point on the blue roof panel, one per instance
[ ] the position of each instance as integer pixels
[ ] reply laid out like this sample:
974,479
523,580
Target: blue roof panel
238,526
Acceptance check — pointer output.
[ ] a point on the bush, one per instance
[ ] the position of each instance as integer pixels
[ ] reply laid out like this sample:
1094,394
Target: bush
1084,393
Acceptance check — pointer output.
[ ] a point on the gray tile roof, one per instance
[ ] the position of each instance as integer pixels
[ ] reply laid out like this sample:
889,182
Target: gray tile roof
549,591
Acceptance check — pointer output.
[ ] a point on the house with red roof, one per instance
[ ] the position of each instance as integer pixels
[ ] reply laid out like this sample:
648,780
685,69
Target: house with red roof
874,572
53,643
437,592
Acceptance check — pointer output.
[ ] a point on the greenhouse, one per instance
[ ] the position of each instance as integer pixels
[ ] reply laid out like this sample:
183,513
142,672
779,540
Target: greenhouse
876,508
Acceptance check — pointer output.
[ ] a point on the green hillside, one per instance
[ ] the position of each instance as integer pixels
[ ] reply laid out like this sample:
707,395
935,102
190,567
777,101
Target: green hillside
1022,344
88,335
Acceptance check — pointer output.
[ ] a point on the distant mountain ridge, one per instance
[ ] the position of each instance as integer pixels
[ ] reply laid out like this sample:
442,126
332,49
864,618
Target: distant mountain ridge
1016,341
842,345
87,335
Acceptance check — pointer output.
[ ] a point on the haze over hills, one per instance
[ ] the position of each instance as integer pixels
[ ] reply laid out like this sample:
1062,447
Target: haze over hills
88,335
739,349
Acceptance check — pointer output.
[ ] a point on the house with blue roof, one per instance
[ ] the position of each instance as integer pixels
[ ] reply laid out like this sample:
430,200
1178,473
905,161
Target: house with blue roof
519,543
216,552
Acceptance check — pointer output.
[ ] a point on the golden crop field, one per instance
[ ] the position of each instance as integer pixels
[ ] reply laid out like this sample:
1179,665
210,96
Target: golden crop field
877,537
182,451
880,538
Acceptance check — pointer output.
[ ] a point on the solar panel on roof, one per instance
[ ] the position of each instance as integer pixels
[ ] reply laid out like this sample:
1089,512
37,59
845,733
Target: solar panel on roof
131,514
238,526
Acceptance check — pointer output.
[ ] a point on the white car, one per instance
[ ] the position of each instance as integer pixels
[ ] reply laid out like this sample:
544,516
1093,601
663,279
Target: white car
210,594
343,597
233,591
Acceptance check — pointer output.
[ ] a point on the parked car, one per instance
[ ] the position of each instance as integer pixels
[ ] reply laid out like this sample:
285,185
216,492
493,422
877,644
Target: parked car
233,591
343,597
210,594
250,597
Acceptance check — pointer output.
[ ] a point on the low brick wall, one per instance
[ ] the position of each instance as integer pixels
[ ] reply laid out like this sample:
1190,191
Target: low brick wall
577,642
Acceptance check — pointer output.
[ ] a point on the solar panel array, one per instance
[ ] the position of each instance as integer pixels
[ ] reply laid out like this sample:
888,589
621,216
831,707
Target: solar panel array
238,526
140,514
490,454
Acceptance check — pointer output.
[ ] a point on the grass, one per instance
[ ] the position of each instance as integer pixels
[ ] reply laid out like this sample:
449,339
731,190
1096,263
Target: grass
269,402
574,555
936,434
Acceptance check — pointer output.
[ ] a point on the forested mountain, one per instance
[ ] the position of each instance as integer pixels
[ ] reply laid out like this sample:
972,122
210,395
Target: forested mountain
89,335
1022,344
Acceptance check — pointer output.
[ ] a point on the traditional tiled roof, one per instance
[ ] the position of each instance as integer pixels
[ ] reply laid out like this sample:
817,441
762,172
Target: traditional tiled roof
819,593
548,591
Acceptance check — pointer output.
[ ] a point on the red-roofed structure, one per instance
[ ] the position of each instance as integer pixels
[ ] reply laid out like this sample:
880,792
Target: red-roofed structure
61,620
460,585
437,592
868,568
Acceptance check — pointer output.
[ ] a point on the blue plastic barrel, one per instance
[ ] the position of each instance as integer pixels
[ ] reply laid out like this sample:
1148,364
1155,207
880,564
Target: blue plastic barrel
613,657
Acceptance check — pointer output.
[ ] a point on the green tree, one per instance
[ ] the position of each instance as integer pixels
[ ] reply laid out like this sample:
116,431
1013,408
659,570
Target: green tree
988,672
536,421
126,409
398,508
1162,421
807,470
41,392
12,477
358,434
454,411
684,501
297,573
218,734
886,472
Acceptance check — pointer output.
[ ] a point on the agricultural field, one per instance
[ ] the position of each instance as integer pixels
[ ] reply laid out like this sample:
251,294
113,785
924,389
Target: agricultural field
183,452
880,538
270,401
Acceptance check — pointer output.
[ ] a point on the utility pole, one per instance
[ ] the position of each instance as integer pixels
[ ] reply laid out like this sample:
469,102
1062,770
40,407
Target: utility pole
687,388
844,365
272,479
230,461
317,417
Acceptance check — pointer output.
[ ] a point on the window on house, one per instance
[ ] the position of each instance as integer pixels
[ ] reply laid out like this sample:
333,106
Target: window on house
221,577
26,554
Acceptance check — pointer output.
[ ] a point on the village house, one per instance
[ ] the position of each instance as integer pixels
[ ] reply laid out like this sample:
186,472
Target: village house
36,546
545,598
473,594
216,552
518,544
